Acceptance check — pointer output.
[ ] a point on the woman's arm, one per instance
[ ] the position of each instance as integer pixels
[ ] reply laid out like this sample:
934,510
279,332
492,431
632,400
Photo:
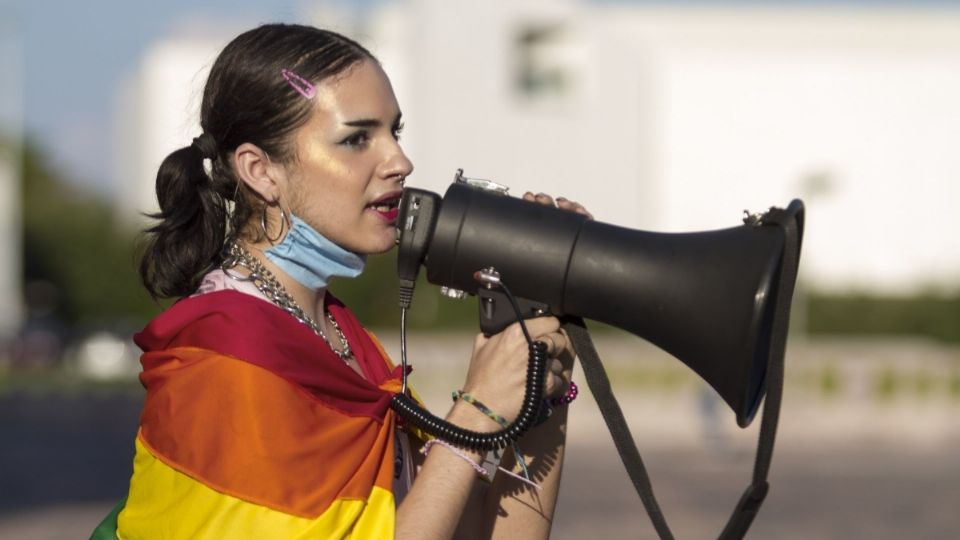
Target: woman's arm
444,487
446,499
446,482
512,509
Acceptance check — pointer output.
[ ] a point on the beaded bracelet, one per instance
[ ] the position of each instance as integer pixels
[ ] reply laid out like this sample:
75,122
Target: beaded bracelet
545,412
492,461
457,452
568,397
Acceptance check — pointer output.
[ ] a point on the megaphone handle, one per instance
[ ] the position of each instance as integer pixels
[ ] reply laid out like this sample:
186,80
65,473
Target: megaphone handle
497,313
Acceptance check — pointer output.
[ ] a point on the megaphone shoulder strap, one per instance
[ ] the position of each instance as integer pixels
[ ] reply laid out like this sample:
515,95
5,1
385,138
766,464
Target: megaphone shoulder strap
596,376
599,385
749,504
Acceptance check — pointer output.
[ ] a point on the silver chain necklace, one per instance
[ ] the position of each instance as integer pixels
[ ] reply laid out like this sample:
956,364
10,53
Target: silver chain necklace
266,283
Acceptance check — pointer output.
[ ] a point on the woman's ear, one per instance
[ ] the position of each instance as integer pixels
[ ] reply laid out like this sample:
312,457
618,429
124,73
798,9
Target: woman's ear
255,169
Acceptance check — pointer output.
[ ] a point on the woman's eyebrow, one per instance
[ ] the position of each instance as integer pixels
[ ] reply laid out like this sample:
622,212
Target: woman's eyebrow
364,122
370,122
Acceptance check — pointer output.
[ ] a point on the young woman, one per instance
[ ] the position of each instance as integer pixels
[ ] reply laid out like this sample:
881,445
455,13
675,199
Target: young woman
267,410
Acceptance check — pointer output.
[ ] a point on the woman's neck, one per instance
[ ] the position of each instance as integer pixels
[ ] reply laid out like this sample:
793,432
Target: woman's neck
310,301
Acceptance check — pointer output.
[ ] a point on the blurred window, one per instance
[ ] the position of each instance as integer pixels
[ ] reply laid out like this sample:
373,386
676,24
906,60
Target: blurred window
544,62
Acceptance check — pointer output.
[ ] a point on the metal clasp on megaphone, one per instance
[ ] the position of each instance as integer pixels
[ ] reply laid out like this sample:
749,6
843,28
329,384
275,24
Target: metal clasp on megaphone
752,219
488,277
480,183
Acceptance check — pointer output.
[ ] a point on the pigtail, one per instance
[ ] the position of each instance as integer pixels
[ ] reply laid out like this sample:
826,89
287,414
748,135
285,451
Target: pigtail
188,238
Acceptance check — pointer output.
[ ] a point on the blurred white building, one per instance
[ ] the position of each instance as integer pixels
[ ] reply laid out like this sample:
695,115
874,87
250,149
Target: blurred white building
667,117
157,113
11,157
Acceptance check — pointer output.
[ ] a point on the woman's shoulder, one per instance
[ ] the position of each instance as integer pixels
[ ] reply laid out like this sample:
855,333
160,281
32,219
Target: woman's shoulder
219,280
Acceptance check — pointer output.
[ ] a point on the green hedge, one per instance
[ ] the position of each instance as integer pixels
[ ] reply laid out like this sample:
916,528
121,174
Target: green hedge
374,298
928,315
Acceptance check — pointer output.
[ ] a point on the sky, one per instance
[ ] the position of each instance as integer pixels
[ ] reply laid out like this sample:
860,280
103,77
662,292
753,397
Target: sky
74,54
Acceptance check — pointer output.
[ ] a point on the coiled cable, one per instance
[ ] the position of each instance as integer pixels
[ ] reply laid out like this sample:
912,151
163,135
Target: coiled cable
530,409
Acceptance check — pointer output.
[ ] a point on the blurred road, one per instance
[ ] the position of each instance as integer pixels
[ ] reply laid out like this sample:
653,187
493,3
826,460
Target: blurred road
846,465
857,492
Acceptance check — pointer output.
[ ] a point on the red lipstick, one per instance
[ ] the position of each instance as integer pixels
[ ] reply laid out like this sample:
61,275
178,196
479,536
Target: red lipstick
387,207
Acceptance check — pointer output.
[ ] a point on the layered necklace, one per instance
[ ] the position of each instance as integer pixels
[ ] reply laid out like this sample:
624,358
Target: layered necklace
235,255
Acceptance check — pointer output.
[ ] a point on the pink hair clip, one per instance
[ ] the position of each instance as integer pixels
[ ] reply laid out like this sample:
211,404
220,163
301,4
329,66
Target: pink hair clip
298,83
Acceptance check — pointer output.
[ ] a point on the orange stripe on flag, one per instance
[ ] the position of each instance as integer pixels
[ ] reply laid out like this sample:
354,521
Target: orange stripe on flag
244,431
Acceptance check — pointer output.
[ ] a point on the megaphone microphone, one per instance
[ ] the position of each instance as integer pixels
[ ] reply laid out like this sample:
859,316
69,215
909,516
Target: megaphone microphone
716,300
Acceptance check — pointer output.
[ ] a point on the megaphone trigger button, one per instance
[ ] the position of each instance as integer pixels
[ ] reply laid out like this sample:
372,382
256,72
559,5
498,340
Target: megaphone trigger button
488,305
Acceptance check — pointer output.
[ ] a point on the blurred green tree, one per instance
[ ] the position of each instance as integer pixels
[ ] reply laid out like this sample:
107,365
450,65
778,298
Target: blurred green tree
72,242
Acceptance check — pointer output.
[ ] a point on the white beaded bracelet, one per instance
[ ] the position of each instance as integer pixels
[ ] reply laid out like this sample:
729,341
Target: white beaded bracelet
457,452
487,469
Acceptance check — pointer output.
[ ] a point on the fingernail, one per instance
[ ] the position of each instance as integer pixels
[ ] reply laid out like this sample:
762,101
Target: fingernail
564,199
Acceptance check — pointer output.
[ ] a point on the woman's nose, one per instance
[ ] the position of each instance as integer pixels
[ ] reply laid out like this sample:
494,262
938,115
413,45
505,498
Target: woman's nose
397,163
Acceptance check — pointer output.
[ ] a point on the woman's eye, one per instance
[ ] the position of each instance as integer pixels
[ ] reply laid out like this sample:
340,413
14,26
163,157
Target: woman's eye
356,140
397,130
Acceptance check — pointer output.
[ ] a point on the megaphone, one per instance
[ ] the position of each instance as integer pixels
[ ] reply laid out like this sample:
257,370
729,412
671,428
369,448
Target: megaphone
719,301
708,298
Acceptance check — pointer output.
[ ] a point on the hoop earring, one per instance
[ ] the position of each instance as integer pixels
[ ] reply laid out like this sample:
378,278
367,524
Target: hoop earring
263,224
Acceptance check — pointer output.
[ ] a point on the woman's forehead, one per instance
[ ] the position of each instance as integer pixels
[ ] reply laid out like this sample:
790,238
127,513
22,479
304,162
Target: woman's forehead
362,92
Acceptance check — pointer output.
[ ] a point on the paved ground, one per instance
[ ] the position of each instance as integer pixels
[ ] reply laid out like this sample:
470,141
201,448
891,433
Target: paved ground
860,493
847,465
851,493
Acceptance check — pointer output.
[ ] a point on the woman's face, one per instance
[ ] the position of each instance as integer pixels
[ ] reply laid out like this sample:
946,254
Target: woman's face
347,179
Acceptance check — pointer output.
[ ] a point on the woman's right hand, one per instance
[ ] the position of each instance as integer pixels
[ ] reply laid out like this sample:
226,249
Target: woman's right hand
498,369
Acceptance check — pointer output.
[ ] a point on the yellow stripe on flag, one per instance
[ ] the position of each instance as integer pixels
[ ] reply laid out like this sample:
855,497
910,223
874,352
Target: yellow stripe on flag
167,504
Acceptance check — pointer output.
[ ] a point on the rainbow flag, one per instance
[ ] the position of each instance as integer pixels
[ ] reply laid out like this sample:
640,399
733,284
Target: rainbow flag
253,428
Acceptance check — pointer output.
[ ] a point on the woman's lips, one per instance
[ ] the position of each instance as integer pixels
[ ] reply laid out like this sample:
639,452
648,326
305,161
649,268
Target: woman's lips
387,208
387,215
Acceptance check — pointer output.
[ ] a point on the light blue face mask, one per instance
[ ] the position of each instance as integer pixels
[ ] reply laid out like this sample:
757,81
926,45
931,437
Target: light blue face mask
311,259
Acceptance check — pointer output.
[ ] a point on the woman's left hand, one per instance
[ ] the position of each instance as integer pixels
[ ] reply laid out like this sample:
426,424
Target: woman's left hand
559,202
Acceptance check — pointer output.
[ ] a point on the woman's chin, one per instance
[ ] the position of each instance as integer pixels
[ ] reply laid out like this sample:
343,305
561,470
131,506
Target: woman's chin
381,245
388,245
